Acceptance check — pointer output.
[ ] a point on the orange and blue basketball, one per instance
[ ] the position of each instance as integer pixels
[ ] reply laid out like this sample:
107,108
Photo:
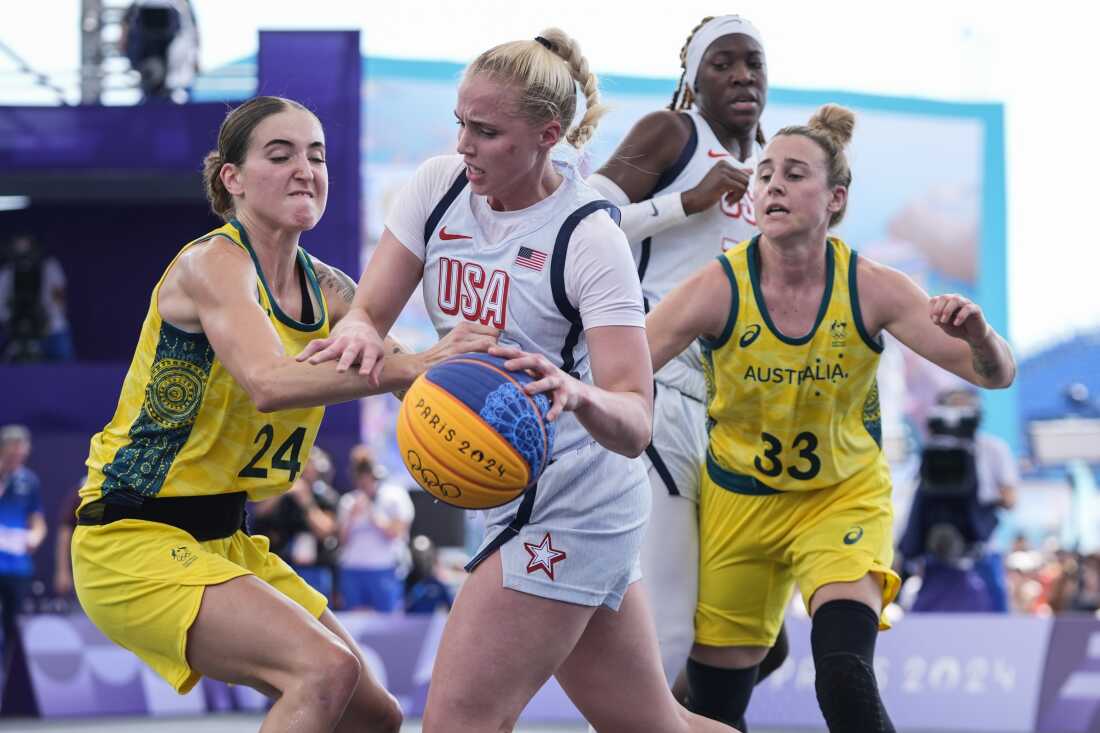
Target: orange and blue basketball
470,436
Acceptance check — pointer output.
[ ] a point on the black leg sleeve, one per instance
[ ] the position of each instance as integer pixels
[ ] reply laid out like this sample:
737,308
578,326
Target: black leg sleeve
776,655
843,641
720,694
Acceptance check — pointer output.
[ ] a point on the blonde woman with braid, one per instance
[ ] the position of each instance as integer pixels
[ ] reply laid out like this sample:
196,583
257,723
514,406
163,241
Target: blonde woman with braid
688,168
796,489
537,252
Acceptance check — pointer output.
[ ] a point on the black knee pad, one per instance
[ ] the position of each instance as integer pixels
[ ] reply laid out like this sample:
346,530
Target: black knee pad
843,642
720,694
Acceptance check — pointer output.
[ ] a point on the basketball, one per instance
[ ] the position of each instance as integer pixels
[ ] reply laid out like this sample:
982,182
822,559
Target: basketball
470,436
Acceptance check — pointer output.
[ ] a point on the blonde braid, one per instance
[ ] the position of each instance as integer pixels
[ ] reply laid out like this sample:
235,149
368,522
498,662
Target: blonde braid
570,52
683,90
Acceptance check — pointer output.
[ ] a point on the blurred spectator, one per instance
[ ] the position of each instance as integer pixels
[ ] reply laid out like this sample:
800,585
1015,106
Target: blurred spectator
950,588
424,591
967,477
22,528
374,529
161,40
1086,597
63,558
1026,592
1058,579
997,489
1053,580
301,524
32,304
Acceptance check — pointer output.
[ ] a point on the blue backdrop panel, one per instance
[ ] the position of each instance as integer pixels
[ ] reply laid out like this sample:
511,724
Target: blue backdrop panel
151,137
323,71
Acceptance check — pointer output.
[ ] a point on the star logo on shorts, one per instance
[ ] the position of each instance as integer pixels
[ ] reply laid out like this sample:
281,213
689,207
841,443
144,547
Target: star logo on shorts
543,556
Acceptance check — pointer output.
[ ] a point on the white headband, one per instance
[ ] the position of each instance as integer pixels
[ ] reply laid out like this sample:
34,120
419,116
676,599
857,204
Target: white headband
715,28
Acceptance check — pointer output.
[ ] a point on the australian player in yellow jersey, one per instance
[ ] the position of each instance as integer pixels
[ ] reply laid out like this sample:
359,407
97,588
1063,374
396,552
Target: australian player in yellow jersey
795,488
215,410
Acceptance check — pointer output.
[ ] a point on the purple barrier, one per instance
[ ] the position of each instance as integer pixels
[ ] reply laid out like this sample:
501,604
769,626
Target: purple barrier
76,671
936,672
1070,699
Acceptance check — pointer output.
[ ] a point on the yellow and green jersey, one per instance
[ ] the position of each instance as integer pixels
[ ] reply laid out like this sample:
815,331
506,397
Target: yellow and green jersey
791,414
185,427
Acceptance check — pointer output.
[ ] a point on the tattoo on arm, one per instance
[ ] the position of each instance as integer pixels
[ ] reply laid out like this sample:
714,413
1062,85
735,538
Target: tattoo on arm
335,280
993,361
985,363
396,347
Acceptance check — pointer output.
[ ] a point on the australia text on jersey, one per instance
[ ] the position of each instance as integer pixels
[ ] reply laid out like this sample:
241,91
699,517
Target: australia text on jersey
820,372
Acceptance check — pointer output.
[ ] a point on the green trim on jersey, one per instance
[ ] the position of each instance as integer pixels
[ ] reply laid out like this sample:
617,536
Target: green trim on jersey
311,276
738,483
876,345
872,414
173,395
731,319
753,256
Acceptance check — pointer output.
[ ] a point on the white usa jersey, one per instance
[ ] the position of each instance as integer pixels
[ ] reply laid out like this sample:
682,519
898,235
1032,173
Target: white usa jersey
517,283
668,258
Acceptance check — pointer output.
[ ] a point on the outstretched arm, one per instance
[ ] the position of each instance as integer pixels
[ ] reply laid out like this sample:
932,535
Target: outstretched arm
949,330
389,280
219,281
699,306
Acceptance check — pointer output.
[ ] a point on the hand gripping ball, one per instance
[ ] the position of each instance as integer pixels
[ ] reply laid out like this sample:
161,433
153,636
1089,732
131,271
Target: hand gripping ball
470,436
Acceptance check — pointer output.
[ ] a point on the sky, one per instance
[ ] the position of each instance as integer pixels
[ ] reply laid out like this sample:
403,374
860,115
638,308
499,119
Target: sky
1032,58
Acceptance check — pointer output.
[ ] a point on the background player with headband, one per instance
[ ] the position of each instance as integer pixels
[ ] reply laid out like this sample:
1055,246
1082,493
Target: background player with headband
552,590
796,487
688,168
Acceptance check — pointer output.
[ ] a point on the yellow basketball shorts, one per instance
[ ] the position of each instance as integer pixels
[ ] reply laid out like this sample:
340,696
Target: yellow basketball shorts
141,584
753,549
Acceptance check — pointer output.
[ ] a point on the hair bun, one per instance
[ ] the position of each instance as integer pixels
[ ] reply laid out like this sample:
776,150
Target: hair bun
835,122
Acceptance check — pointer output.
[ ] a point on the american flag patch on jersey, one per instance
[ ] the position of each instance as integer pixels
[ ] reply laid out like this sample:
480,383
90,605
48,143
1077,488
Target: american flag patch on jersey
531,258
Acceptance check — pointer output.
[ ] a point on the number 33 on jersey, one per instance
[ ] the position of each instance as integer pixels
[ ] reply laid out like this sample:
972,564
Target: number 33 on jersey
791,414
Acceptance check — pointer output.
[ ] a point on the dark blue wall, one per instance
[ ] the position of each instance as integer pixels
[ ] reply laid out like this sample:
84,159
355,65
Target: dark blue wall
112,253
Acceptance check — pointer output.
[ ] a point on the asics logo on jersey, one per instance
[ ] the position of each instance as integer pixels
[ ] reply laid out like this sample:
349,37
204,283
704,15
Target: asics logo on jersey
717,154
854,535
750,335
447,236
466,289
